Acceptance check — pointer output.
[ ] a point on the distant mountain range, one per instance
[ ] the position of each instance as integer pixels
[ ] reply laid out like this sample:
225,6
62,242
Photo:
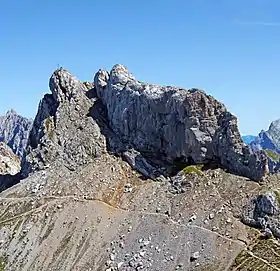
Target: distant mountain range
265,140
248,139
269,141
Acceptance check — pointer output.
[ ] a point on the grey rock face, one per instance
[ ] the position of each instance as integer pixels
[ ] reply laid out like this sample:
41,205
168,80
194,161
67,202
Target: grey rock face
268,204
148,125
263,212
63,130
274,133
138,162
9,162
9,167
175,123
14,131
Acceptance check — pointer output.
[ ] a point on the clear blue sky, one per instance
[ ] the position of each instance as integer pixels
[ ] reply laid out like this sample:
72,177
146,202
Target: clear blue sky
229,48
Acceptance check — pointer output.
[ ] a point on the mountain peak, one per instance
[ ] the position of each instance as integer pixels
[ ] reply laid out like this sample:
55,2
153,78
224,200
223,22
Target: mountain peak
14,131
11,112
145,120
117,160
274,126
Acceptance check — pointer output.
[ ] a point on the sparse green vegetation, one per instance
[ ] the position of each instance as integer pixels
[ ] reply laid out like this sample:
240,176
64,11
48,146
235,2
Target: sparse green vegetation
197,169
273,155
262,256
49,126
3,262
277,194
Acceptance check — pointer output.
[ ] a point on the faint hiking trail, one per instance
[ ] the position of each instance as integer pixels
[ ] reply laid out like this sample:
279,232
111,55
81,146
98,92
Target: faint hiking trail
53,199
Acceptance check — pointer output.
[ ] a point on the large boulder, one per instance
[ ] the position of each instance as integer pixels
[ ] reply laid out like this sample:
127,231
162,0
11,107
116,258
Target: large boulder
263,212
175,123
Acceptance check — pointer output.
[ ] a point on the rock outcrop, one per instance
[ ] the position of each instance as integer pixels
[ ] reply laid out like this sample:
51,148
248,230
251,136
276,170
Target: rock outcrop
9,162
63,130
82,207
14,131
9,167
263,212
175,124
151,126
263,142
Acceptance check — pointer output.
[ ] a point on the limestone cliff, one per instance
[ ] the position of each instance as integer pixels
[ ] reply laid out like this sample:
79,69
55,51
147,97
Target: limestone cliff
151,126
175,123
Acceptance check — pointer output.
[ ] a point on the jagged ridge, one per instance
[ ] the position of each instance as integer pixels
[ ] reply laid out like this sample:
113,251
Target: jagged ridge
151,126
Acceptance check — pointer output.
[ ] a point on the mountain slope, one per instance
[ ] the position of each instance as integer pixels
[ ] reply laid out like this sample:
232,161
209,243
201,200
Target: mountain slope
104,192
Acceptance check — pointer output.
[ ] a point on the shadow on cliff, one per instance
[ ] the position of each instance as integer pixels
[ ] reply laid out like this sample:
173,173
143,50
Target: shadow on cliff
147,164
7,181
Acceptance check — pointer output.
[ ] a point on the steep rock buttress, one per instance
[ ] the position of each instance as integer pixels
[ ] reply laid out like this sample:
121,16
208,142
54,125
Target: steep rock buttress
63,132
175,123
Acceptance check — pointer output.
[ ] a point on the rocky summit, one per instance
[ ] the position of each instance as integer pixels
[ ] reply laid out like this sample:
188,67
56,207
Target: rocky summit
122,175
175,124
14,131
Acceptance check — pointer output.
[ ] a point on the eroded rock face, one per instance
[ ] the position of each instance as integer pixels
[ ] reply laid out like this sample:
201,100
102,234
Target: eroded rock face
148,125
9,162
274,133
14,131
175,123
263,212
63,132
268,204
9,167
